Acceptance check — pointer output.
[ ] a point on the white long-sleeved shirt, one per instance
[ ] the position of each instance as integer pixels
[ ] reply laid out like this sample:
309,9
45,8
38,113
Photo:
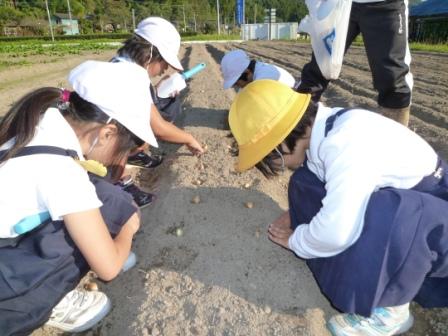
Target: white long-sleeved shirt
361,154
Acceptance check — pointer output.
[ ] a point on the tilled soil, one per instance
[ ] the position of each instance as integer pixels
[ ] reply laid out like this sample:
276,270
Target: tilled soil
208,268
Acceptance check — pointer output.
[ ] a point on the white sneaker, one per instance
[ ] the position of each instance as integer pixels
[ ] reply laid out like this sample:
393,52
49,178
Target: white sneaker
386,321
79,311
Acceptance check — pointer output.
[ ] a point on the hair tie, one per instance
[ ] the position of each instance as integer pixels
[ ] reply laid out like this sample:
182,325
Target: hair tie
65,96
64,100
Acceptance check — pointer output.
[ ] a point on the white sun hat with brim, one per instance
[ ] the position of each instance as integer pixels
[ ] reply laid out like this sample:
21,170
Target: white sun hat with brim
233,65
120,90
164,36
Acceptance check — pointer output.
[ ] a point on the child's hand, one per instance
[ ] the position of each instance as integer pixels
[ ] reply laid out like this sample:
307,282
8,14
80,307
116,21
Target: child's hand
133,223
280,230
279,237
195,147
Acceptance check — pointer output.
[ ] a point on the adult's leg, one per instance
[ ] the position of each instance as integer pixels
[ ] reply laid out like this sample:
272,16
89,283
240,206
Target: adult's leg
389,56
312,81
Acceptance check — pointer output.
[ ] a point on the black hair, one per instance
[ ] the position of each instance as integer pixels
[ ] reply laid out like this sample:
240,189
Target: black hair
21,120
140,51
269,165
251,68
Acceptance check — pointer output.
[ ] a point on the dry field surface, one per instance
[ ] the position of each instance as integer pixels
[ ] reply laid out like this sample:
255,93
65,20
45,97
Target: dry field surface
221,275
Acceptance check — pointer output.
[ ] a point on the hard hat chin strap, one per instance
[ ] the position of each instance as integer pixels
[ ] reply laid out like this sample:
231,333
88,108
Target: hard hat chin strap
281,157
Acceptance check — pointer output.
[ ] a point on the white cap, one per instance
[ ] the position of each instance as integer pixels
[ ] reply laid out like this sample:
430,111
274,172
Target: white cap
163,35
121,90
233,65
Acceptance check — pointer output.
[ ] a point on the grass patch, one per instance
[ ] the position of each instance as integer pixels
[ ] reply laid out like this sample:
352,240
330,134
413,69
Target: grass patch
442,48
6,64
76,47
32,48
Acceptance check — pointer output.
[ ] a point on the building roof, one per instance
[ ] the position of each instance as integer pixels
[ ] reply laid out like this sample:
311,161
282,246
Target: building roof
430,8
30,22
64,16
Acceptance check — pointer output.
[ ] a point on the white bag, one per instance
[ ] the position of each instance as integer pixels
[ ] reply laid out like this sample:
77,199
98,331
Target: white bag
327,24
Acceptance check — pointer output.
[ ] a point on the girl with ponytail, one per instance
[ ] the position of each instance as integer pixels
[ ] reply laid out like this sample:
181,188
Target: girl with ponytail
59,218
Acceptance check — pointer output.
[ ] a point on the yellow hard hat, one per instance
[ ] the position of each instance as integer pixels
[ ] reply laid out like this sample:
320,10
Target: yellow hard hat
262,115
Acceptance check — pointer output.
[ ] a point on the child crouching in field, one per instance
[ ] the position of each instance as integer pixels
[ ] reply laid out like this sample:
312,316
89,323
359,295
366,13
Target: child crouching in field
238,70
368,204
44,141
155,46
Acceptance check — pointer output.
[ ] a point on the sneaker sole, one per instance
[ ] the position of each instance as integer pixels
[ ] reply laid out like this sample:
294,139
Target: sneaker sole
86,326
404,327
135,164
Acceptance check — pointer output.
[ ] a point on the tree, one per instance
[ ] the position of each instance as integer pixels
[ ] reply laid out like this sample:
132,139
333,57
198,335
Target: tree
9,15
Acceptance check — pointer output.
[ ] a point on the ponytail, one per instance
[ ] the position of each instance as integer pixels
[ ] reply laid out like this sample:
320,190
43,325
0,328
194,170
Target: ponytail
21,120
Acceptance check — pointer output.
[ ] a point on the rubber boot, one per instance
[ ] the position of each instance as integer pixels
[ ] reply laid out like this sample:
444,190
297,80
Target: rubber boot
400,115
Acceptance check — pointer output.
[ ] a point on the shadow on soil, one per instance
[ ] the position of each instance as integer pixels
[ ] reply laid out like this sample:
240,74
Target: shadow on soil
203,117
221,240
215,53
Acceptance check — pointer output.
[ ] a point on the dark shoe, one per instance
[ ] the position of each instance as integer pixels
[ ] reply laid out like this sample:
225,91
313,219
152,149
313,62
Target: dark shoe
141,198
144,160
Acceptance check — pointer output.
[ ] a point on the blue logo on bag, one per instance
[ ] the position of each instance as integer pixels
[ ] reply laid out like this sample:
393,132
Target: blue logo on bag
328,40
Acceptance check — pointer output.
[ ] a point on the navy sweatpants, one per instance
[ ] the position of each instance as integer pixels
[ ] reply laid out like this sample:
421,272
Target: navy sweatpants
169,108
401,254
45,265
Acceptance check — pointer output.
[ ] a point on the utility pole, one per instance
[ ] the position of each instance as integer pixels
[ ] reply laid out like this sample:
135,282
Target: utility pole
70,16
255,13
244,12
49,21
133,18
194,18
185,22
217,12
